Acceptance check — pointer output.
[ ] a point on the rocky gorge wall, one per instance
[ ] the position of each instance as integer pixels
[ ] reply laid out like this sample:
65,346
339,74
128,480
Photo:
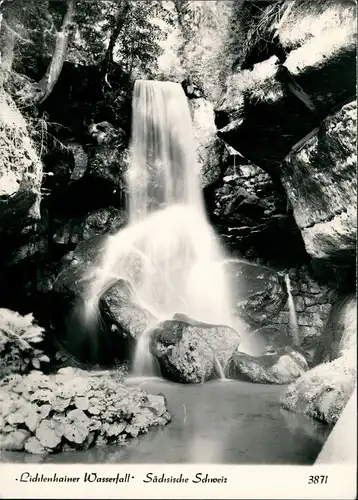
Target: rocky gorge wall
312,303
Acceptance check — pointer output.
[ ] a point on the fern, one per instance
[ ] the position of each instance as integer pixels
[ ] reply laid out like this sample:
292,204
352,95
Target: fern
19,337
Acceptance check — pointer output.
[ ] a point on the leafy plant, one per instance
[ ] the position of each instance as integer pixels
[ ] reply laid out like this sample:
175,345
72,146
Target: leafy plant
19,339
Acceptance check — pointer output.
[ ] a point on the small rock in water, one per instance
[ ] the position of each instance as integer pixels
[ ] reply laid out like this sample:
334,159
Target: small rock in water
282,367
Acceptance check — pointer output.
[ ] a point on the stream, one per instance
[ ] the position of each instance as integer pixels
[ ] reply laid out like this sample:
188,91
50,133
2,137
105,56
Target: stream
224,422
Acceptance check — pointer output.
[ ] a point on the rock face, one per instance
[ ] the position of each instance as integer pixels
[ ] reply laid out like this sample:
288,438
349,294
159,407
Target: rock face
319,176
102,221
261,307
73,278
311,302
254,217
339,335
20,170
298,90
188,351
324,391
282,367
109,158
290,90
211,150
74,410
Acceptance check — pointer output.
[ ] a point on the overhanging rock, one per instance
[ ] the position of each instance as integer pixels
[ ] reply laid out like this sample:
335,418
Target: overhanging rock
268,109
319,176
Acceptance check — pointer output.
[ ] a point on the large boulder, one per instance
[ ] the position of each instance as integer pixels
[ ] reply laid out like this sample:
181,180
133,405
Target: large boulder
190,351
122,311
319,176
282,367
324,391
20,170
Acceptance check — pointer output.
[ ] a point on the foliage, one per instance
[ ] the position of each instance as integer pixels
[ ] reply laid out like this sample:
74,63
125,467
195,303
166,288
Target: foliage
74,409
206,34
19,339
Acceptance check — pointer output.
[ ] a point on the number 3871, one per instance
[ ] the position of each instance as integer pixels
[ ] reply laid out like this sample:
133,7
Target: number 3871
317,479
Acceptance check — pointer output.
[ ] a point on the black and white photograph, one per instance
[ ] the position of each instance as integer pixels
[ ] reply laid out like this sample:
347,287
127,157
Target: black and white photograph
178,218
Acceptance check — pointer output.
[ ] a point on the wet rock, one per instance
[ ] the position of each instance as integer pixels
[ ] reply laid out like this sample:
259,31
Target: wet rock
339,335
282,367
104,220
121,310
191,89
260,308
20,170
188,350
36,246
80,158
73,279
211,151
109,159
319,176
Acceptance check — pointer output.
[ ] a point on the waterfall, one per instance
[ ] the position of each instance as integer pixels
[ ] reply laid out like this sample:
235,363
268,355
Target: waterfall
292,312
168,251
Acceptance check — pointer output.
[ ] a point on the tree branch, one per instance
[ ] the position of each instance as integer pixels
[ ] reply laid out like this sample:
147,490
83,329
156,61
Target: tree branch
47,83
120,20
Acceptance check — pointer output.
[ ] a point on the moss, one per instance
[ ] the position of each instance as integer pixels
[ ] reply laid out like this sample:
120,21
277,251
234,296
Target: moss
322,392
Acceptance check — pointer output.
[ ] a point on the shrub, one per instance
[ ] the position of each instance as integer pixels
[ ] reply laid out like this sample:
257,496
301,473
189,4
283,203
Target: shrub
19,339
74,409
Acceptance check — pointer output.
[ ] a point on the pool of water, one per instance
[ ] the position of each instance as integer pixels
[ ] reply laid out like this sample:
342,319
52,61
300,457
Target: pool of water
227,422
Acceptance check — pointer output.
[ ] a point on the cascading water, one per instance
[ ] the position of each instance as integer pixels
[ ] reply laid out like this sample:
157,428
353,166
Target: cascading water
292,312
168,251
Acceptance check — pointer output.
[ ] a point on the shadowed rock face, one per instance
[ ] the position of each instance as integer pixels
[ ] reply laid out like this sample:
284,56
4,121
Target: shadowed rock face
319,176
187,350
20,170
253,217
339,335
295,118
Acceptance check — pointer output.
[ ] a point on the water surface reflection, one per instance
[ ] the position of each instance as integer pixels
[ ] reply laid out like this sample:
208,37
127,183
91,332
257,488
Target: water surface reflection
216,422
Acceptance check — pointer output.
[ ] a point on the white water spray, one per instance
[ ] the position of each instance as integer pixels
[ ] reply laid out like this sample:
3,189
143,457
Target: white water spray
168,251
292,312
